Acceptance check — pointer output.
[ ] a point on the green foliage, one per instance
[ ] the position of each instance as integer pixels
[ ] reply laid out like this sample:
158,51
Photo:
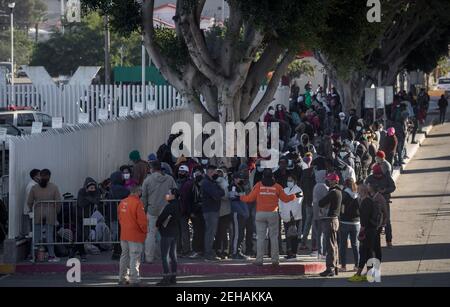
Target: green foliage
83,45
300,67
294,24
22,47
172,47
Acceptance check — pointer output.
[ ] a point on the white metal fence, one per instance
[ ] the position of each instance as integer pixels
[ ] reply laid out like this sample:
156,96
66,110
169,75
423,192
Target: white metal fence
74,153
68,101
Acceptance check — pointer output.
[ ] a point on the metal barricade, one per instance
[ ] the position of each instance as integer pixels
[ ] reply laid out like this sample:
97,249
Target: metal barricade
67,223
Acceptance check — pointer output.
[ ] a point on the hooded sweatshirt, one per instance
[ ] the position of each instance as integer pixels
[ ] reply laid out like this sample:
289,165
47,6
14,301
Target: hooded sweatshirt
237,206
117,191
293,207
154,190
349,207
225,206
87,201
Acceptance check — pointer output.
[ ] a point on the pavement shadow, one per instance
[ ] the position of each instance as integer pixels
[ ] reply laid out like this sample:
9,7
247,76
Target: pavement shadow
438,135
426,170
417,252
436,158
419,196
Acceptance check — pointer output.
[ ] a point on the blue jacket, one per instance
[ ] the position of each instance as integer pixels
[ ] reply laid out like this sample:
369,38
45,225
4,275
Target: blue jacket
211,195
238,206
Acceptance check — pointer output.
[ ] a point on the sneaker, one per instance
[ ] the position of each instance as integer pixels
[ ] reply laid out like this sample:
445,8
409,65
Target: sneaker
357,278
239,257
195,255
314,254
389,244
290,257
53,259
343,269
212,259
258,263
327,273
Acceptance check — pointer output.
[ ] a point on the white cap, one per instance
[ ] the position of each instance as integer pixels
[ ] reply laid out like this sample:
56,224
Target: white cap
183,168
342,114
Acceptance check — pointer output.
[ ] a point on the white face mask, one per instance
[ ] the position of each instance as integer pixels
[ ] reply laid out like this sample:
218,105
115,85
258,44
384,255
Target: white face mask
358,128
290,184
259,169
272,112
126,176
378,159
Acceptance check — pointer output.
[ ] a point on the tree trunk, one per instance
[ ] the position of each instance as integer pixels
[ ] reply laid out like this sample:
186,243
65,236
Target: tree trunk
36,33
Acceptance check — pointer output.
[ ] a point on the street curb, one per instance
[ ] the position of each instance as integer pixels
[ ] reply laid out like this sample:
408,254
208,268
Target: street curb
412,149
185,269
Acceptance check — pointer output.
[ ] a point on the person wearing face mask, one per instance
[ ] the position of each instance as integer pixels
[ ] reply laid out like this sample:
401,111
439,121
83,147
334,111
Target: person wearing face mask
349,224
185,186
133,225
239,213
117,191
369,215
352,120
331,206
154,192
270,116
126,173
389,145
167,224
380,159
221,240
26,221
45,191
88,200
291,215
196,214
212,195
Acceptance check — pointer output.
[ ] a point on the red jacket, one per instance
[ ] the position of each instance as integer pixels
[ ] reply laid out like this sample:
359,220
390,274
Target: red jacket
132,219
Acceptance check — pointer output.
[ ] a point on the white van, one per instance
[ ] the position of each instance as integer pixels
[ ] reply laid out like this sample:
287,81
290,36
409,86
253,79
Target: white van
443,84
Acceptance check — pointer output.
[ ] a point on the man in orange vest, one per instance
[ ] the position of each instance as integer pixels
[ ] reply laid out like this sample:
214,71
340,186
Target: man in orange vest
133,223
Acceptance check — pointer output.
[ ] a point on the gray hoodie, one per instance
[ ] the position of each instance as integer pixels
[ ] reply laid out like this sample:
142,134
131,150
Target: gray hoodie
154,190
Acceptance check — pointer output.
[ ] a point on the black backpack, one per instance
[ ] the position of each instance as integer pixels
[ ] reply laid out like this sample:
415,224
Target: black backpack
197,199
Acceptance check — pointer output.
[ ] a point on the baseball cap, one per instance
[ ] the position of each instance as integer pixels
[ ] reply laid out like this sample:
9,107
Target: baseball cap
183,168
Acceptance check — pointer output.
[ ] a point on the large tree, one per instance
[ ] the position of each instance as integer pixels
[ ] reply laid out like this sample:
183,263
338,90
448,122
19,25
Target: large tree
357,56
227,64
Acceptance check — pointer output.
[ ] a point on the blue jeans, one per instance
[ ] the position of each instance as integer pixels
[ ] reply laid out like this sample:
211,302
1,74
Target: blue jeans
211,223
169,253
49,235
308,223
346,230
318,237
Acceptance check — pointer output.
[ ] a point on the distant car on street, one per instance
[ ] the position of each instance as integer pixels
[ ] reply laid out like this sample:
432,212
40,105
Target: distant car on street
443,84
23,118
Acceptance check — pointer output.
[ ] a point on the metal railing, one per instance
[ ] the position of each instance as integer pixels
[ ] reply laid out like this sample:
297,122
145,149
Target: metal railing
67,223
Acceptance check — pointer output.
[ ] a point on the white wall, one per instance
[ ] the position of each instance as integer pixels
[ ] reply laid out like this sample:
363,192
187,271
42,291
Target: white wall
95,150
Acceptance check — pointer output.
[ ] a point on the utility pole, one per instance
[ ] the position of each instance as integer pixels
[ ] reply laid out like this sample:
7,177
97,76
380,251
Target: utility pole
11,7
107,56
62,16
143,51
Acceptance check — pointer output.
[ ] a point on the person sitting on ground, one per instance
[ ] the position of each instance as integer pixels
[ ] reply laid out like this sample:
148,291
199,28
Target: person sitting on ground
133,225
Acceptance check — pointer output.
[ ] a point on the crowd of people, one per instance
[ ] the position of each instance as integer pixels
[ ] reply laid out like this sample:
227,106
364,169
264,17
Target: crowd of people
333,184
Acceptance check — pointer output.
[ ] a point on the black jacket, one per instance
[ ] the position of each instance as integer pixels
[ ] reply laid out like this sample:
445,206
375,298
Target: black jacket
384,182
307,183
212,194
369,212
116,192
333,200
172,210
87,201
349,208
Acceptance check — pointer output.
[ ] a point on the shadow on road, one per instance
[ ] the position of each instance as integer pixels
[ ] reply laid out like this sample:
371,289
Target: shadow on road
426,170
436,158
417,252
419,196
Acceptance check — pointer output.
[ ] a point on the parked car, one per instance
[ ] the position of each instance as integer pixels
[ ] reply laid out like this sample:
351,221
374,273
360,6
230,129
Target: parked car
444,84
23,118
11,131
